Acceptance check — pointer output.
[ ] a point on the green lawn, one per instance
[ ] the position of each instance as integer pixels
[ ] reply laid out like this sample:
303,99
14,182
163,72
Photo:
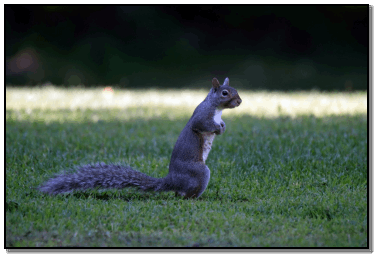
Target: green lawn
290,170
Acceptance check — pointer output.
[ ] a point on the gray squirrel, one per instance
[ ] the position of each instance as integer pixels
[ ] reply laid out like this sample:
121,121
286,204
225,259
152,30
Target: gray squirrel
188,174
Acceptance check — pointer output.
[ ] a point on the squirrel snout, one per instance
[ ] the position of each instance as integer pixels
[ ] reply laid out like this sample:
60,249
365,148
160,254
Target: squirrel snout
238,100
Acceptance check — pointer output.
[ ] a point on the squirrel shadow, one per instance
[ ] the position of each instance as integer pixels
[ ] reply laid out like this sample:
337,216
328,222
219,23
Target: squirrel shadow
106,196
145,196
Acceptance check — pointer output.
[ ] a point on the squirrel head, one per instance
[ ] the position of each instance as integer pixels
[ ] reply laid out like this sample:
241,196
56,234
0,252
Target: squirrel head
224,95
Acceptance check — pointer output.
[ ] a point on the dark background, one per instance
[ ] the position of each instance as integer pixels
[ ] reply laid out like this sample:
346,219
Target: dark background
274,47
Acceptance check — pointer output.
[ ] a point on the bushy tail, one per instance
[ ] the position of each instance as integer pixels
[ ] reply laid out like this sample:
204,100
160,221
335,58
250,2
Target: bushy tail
101,176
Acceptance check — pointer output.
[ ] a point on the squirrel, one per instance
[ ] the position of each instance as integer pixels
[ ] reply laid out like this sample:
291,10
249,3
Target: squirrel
188,174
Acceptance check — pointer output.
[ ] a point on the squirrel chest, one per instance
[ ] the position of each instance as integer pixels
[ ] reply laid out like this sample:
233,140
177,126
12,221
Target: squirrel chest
208,138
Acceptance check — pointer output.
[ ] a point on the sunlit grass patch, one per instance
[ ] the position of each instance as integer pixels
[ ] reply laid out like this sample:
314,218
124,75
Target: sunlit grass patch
175,103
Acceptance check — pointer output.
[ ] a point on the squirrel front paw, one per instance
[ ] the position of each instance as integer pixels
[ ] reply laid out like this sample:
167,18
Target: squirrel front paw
221,129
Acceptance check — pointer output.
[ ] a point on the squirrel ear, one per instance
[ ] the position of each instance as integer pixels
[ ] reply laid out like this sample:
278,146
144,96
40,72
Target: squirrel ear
226,82
215,83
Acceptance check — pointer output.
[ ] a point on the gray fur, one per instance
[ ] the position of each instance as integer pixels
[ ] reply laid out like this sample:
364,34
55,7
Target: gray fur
188,174
103,176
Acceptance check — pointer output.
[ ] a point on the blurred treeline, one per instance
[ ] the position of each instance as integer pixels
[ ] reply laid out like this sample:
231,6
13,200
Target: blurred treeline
274,47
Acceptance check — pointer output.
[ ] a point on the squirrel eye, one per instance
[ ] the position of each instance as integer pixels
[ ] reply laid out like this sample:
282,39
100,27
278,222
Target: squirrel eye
224,93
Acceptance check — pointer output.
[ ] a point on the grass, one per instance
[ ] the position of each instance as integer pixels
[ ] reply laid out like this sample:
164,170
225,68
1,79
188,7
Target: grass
290,171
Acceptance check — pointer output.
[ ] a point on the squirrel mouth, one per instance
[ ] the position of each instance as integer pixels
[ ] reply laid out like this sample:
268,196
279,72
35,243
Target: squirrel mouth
234,103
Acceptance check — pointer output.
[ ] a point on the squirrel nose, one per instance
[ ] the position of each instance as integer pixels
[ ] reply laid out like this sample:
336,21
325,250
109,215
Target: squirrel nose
239,101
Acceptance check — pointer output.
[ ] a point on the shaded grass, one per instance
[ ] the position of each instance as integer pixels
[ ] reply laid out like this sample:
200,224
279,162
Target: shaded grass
275,182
